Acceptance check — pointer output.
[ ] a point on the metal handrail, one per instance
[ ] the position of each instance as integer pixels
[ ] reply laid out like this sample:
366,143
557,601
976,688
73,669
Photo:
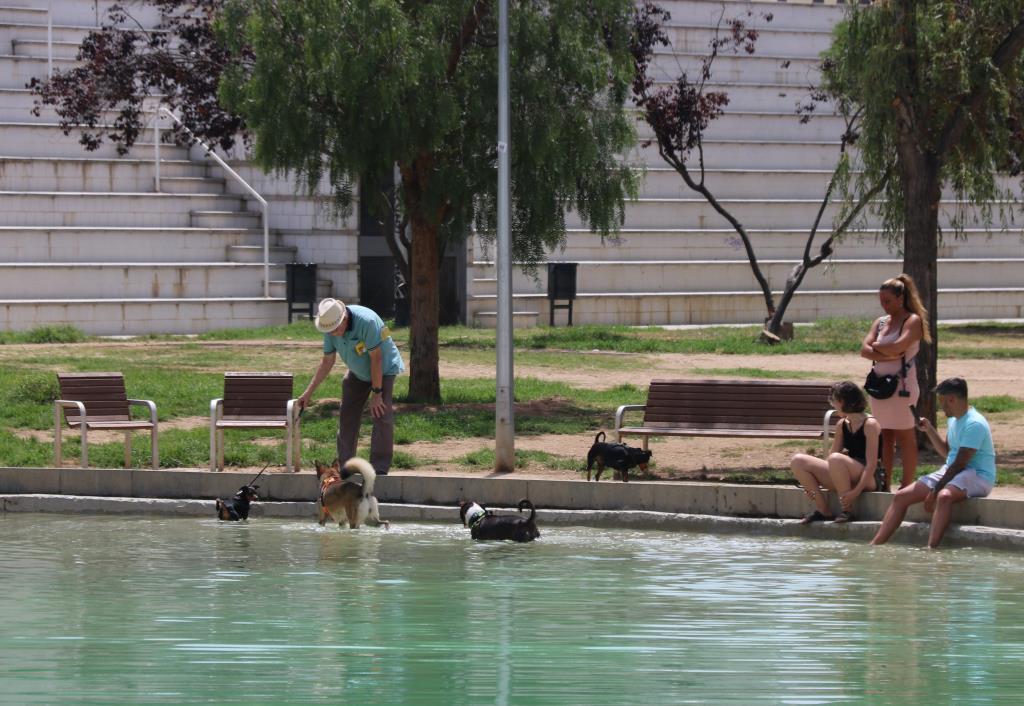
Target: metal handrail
234,175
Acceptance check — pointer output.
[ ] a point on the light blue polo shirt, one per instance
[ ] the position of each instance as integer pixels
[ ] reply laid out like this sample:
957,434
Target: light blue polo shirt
365,333
972,431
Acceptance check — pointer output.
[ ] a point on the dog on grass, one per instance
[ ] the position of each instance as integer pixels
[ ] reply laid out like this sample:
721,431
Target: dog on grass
237,507
342,499
484,524
618,457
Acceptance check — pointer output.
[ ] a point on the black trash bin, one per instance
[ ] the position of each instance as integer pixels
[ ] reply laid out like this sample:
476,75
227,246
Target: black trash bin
561,287
300,287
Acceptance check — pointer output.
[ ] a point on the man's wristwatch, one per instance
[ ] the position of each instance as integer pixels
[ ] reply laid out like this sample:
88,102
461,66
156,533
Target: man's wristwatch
376,390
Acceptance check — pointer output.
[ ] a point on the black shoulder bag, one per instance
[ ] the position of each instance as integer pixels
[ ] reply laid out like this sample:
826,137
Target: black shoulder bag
882,387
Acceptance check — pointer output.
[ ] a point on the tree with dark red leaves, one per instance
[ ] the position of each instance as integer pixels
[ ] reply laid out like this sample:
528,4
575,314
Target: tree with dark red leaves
680,113
125,68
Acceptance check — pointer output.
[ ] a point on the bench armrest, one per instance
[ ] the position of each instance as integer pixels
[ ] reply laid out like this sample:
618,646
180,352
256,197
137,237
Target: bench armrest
146,403
621,412
826,427
292,410
64,404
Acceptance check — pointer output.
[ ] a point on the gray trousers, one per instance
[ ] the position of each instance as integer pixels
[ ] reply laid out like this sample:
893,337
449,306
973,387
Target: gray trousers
354,393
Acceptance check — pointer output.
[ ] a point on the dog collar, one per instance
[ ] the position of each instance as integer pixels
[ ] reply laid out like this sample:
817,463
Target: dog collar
474,514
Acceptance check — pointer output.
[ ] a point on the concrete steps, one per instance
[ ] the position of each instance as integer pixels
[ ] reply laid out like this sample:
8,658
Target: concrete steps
665,307
136,244
723,244
109,174
124,316
28,139
634,277
772,214
29,208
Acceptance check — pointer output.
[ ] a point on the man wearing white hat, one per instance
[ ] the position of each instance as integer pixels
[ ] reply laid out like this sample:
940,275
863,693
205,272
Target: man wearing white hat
359,336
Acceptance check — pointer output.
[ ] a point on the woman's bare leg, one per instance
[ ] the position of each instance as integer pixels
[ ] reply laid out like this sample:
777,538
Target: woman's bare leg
907,439
812,473
888,453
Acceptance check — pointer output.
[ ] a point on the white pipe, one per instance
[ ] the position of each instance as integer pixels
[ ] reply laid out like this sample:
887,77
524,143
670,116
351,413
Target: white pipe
49,39
265,207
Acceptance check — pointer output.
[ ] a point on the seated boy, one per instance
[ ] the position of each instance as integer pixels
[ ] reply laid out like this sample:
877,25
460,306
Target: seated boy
969,471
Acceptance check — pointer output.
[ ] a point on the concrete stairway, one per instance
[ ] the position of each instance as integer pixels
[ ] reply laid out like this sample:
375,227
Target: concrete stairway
86,239
678,262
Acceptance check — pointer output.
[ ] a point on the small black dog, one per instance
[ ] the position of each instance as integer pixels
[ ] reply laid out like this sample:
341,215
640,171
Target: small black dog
618,457
483,524
237,508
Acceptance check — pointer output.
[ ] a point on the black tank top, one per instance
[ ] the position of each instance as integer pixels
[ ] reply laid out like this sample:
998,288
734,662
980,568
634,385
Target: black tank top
855,443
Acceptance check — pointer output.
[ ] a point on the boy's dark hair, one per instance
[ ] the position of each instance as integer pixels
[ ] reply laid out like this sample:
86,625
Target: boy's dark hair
953,386
849,396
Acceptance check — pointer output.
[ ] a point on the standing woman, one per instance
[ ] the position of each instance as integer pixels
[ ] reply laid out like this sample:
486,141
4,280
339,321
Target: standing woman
892,345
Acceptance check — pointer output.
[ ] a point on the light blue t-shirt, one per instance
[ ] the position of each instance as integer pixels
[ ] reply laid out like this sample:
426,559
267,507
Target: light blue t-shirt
365,333
972,431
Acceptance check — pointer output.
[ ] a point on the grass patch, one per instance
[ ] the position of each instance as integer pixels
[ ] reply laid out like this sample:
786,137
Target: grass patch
44,334
762,373
994,404
485,458
768,476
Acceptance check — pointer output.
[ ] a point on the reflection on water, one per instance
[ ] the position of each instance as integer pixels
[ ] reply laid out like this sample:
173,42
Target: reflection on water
117,610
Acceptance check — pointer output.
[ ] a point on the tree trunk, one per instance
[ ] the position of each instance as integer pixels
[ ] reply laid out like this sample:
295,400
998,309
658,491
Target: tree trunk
922,194
424,298
424,378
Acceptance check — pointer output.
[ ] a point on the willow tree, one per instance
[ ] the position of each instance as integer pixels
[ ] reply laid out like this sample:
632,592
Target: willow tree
342,91
939,87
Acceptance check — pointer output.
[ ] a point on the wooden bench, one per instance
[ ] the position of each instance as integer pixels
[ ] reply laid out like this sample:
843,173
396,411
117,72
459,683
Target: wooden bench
727,408
99,401
255,401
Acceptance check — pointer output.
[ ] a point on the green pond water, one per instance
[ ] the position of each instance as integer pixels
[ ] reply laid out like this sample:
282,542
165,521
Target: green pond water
133,610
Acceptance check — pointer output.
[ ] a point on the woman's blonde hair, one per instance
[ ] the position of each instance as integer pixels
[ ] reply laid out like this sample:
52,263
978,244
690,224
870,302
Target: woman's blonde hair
903,286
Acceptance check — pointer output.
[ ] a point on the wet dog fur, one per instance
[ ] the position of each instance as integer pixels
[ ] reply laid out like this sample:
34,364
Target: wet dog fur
619,457
237,507
343,500
491,526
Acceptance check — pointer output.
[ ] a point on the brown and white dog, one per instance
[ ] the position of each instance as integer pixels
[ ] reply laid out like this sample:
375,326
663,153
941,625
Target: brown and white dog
343,499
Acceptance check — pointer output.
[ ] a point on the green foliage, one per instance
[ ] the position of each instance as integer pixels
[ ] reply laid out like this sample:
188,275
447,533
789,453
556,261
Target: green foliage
339,91
32,387
44,334
993,404
911,69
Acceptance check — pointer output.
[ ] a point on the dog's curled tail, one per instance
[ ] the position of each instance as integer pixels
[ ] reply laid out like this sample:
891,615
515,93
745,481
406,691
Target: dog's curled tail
526,503
599,437
363,468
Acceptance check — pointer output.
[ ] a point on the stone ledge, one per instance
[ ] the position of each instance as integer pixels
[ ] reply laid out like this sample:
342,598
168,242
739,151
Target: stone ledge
715,499
913,533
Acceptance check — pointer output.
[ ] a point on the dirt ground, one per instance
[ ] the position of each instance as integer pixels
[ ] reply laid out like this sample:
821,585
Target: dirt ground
675,458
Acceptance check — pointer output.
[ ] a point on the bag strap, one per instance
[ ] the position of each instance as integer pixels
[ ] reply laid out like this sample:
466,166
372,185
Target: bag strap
903,356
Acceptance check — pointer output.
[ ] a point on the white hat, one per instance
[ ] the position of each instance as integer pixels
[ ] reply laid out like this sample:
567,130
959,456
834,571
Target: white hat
329,315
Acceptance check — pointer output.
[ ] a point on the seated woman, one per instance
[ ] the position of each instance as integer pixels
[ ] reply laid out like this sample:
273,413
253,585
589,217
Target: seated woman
852,463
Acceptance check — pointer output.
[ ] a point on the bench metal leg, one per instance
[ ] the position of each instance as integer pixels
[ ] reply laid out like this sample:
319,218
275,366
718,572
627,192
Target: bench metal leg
645,442
85,446
127,449
213,446
288,438
57,430
220,449
154,449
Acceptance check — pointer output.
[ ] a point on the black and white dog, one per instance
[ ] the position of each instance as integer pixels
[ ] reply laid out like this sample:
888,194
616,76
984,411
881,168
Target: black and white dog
484,524
618,457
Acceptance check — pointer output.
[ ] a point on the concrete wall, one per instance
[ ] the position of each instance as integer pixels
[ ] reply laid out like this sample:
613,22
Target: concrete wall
663,497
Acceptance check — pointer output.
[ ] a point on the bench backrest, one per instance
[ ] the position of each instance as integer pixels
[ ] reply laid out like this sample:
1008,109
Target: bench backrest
257,396
103,395
728,404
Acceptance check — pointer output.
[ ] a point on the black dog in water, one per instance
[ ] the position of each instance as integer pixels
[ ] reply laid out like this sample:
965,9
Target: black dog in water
237,508
483,524
615,456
